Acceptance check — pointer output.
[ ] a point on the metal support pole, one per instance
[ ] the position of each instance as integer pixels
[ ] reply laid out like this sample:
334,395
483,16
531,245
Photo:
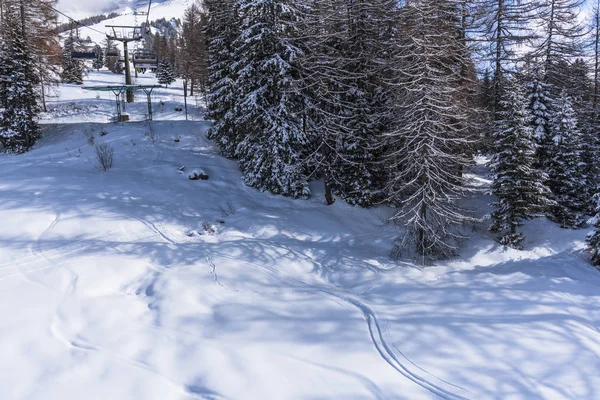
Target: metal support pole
117,96
127,72
148,94
185,98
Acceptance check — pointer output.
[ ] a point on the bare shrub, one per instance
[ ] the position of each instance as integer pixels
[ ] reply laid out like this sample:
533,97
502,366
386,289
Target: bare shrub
91,139
150,134
228,209
208,228
105,156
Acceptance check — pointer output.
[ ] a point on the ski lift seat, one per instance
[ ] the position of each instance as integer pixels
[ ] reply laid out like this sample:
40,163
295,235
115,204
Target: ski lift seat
83,54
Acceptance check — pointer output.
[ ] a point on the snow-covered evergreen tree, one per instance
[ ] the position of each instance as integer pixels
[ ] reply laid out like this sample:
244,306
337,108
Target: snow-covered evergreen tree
18,121
539,107
269,101
118,67
593,239
72,70
565,168
518,186
166,73
99,61
590,157
426,151
222,32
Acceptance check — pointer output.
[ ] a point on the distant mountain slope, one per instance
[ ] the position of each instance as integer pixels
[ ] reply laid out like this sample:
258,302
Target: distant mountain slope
159,9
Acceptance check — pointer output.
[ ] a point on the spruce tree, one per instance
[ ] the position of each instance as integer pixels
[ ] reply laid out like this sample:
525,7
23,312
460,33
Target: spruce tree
166,73
99,61
118,67
518,186
222,31
269,101
539,104
593,239
566,169
19,129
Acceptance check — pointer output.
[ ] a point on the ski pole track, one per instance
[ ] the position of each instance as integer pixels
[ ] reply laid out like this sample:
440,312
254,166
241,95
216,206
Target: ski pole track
375,333
150,225
54,252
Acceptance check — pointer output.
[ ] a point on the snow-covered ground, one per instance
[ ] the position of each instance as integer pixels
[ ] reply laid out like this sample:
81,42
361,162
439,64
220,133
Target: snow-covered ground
140,283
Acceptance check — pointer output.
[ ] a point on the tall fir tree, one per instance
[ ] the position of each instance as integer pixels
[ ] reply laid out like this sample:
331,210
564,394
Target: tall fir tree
269,100
349,59
194,60
539,103
222,31
99,60
566,169
423,152
19,129
72,70
166,73
518,185
593,239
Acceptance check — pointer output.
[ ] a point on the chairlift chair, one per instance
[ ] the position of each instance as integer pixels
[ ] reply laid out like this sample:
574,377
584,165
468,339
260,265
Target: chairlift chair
84,53
114,52
145,59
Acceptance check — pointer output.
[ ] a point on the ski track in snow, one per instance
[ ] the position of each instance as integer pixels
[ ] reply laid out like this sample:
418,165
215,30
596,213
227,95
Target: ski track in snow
375,332
150,225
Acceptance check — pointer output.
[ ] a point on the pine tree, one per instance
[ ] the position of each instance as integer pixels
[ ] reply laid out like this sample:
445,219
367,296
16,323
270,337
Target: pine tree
424,156
37,20
166,73
222,31
269,100
590,157
18,126
99,61
593,239
518,186
72,70
565,169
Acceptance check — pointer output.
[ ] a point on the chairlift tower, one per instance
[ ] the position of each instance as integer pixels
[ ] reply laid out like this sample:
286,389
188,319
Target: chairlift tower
125,35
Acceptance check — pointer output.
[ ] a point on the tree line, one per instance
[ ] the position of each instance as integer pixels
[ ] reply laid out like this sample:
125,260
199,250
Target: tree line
385,102
388,102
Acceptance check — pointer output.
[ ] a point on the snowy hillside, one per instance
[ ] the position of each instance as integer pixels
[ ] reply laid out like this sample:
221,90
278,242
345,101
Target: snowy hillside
139,283
159,8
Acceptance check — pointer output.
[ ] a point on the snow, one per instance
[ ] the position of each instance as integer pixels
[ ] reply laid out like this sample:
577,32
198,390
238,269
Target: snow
167,9
105,294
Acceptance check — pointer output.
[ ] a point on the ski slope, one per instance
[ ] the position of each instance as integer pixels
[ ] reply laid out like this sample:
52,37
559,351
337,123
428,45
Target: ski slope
159,8
138,283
